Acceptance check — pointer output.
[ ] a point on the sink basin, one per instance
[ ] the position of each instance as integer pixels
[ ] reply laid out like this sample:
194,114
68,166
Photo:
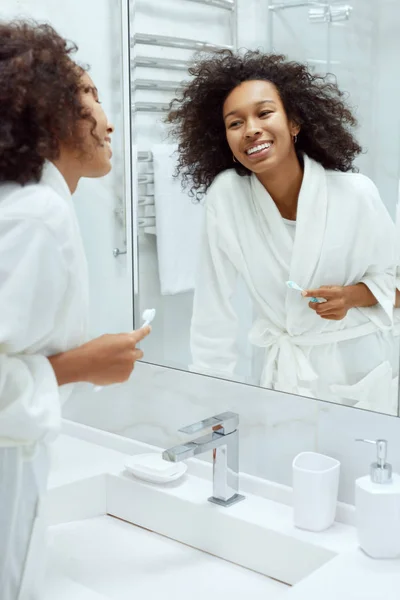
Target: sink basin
115,537
106,558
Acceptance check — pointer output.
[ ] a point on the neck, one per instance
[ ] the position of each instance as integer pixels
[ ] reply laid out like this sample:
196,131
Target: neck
284,186
68,170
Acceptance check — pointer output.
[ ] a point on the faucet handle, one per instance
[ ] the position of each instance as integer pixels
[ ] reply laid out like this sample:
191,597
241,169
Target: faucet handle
223,423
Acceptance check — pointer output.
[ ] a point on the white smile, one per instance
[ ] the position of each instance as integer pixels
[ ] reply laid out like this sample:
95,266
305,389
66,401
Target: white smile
258,148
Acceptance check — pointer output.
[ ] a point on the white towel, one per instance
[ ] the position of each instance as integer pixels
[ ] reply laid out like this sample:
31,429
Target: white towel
178,222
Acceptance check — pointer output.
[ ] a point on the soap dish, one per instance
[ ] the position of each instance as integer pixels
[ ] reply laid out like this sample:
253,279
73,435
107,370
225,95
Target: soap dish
153,468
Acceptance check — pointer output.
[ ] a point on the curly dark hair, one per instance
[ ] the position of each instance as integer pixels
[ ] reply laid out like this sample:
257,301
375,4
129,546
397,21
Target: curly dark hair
312,101
40,103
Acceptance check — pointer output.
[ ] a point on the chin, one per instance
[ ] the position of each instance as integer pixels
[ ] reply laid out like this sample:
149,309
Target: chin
108,168
100,170
256,169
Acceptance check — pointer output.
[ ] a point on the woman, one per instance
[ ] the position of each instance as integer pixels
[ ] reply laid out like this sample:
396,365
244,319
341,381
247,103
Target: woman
53,131
271,144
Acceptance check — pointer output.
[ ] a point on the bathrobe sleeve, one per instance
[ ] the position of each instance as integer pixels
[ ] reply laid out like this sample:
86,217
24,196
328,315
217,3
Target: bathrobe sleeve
33,282
380,276
214,321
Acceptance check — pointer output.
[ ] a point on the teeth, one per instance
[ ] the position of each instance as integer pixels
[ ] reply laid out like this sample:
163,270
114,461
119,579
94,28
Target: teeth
258,148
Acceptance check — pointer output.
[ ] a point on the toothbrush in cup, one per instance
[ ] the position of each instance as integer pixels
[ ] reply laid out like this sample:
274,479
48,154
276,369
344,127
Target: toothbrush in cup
147,316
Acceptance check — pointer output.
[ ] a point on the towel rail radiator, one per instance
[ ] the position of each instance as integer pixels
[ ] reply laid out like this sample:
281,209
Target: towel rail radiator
139,41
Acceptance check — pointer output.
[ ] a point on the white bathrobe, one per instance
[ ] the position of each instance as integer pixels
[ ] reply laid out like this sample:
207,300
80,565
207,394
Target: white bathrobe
343,236
44,309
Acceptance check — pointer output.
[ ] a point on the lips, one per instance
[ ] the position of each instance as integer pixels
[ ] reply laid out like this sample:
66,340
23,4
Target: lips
107,144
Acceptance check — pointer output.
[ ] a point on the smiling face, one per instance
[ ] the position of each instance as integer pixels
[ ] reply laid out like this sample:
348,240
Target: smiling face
97,159
258,130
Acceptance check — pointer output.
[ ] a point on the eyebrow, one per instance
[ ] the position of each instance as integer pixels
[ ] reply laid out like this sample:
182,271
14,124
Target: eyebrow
234,112
93,90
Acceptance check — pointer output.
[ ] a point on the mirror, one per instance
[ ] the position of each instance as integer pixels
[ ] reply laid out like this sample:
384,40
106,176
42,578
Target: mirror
216,270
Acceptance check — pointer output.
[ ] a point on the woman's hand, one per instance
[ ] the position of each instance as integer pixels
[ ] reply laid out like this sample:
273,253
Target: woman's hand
339,300
397,300
107,359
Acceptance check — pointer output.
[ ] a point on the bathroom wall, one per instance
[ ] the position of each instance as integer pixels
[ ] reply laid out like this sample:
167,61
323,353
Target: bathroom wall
360,52
274,427
95,26
157,401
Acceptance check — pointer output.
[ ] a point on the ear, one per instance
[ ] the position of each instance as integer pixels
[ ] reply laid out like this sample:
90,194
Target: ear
294,128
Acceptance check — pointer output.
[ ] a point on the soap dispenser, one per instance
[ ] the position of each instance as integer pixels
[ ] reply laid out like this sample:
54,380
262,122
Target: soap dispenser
377,500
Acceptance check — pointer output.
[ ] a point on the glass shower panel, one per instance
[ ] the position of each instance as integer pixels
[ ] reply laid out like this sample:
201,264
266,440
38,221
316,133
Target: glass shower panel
300,31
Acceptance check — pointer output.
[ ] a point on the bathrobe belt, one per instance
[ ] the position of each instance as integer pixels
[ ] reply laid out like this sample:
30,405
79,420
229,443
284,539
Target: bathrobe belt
287,360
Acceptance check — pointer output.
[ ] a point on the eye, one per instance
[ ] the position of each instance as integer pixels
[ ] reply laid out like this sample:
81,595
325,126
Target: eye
234,124
265,113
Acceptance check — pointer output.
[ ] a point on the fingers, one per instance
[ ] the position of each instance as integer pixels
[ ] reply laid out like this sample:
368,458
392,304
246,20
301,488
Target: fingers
322,308
139,334
137,354
323,292
332,317
329,310
327,307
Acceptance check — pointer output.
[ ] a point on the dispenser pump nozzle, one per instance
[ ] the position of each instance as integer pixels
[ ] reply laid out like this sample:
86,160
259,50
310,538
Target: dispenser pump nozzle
381,471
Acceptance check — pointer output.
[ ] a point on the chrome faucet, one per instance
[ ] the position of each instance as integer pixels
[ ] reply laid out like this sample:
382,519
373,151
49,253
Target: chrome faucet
224,442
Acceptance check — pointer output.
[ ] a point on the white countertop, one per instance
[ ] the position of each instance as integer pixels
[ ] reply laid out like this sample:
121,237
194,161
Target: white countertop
351,575
76,459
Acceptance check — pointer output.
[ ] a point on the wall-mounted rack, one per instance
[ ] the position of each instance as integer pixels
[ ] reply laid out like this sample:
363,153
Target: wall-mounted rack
329,13
146,178
160,63
145,156
145,215
228,4
156,85
150,107
151,39
318,12
286,5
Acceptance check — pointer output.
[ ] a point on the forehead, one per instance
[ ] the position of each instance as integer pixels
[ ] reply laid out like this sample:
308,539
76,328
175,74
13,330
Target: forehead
248,93
87,80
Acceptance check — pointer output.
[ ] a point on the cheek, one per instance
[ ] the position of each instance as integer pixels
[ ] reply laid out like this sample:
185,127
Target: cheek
233,139
101,119
281,127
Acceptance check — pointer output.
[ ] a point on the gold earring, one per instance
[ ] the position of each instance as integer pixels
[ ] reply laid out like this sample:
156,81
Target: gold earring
295,138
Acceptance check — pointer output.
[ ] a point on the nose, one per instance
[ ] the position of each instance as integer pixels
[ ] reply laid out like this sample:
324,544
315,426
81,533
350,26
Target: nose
110,128
252,130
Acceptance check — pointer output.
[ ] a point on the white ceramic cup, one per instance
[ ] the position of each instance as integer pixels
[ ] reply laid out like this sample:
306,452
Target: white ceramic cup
315,490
